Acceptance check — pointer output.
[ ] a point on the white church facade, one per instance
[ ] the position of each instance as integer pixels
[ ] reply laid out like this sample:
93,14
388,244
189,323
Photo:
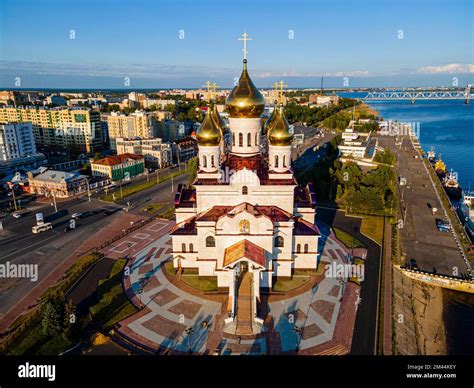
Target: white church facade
245,220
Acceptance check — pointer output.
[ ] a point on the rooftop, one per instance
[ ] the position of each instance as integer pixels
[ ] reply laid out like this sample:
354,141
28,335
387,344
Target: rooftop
117,159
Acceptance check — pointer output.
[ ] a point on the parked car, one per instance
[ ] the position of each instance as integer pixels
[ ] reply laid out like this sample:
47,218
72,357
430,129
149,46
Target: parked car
16,215
412,264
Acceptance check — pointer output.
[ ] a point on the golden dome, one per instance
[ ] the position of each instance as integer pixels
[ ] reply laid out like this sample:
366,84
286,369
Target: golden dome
245,100
217,119
209,133
269,123
278,130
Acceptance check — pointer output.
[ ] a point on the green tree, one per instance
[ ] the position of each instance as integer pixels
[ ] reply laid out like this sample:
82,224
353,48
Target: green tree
192,168
69,319
52,319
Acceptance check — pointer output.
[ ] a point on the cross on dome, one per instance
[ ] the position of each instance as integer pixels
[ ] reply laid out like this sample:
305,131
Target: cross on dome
245,38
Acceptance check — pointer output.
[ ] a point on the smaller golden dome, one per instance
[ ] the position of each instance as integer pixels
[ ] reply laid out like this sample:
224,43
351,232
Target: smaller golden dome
278,130
217,119
209,133
269,123
245,100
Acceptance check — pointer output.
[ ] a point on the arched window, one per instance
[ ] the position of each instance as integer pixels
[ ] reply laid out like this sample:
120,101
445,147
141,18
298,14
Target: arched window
256,138
213,164
306,248
183,247
204,161
284,160
276,161
233,138
210,242
245,190
244,226
298,248
191,248
279,242
241,139
249,139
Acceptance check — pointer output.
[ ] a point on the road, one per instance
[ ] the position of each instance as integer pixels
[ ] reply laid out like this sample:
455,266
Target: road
364,339
434,251
50,249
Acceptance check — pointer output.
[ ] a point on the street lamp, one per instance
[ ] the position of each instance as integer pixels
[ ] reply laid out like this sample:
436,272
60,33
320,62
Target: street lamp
189,331
299,332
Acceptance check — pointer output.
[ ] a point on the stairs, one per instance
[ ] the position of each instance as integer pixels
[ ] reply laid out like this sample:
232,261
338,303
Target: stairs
244,305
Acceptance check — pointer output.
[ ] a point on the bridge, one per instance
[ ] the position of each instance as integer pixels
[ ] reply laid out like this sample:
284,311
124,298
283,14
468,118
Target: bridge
413,95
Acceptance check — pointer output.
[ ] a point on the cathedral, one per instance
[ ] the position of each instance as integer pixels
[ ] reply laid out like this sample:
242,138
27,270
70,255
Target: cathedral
245,219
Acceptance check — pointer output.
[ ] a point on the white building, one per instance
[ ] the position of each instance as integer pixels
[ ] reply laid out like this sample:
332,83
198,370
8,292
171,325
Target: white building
354,144
245,221
154,150
16,141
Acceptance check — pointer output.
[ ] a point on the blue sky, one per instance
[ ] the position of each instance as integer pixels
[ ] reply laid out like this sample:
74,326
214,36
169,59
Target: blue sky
140,40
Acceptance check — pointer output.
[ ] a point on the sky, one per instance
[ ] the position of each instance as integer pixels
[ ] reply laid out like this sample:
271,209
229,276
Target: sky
166,44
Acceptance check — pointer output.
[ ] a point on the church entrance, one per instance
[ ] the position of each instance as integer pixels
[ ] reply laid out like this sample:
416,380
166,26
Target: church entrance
244,266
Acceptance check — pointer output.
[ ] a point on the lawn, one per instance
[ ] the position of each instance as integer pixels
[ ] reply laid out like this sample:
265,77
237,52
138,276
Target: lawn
113,305
309,272
348,240
153,208
34,342
135,188
202,283
372,227
288,284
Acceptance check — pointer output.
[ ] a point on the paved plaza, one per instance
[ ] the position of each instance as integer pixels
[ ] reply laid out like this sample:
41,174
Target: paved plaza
316,318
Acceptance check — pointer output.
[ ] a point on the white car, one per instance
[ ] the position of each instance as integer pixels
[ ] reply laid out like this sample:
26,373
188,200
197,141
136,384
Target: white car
16,215
76,215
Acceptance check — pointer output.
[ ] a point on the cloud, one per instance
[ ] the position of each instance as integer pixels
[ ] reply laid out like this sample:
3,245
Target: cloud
452,68
153,71
150,71
270,74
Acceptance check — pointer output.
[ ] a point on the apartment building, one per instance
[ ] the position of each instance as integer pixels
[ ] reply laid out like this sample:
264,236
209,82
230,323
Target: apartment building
153,150
59,127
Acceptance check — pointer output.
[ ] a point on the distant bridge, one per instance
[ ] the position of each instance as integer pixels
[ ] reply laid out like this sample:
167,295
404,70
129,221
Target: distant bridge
421,95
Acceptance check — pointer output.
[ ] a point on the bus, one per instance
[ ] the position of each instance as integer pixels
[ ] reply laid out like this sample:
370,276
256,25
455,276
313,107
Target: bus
42,228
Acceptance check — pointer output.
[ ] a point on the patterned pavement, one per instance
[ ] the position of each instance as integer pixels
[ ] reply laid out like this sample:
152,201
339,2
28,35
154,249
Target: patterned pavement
179,320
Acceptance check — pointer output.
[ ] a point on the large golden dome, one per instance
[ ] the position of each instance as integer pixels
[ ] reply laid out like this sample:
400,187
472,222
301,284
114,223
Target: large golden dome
245,100
209,134
278,129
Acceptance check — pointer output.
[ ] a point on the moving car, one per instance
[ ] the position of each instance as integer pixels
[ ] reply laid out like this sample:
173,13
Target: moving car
76,215
16,215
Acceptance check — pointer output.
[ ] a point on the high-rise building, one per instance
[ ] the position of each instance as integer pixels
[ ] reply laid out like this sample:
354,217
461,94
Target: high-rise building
59,127
16,141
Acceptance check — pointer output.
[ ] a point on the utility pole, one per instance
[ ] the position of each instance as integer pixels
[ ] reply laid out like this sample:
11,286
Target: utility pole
172,184
54,202
14,198
88,191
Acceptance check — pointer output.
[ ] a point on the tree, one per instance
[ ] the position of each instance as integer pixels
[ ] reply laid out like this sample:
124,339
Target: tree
97,156
193,168
52,319
69,319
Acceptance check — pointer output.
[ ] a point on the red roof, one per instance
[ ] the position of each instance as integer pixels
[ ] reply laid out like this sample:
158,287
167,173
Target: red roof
244,250
117,159
273,212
